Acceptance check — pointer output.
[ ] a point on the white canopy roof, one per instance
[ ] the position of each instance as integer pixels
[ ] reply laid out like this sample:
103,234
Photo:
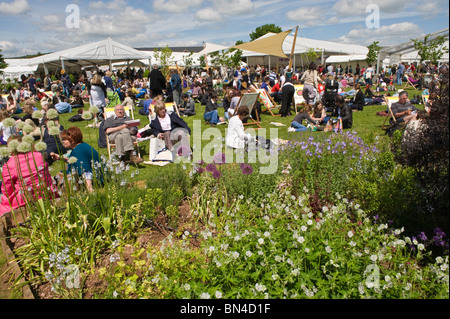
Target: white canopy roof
99,53
346,58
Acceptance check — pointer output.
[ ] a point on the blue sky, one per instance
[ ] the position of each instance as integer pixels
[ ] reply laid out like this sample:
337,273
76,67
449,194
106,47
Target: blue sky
31,26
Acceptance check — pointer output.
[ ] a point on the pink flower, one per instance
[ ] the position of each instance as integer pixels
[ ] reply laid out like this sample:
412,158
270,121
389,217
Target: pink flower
216,174
211,168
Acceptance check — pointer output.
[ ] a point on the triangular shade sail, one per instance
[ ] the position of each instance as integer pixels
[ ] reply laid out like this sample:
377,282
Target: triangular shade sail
272,45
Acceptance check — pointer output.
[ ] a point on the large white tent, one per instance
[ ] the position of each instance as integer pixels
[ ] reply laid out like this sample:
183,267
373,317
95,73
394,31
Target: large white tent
98,53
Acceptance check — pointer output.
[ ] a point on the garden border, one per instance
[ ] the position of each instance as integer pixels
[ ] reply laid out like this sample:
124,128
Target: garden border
10,257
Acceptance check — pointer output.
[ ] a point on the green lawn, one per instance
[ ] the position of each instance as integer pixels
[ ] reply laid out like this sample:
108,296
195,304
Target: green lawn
366,123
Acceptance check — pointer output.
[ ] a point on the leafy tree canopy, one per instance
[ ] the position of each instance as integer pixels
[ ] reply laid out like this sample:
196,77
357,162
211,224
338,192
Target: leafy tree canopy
260,31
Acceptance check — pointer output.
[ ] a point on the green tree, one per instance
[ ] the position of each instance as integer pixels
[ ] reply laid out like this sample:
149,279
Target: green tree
3,64
260,31
372,55
164,57
430,50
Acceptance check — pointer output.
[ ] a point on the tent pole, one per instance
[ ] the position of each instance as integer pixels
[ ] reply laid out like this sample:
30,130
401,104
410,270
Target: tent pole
321,61
293,47
269,64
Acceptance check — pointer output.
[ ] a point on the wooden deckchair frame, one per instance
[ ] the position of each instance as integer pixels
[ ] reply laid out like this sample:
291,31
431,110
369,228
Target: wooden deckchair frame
409,83
255,96
264,95
389,100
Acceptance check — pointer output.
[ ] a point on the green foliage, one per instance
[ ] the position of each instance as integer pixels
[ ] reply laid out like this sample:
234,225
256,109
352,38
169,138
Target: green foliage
164,58
374,50
3,64
430,50
266,28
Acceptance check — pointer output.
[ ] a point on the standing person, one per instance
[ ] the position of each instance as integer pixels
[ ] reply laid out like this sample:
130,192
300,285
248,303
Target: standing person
369,74
87,158
357,69
66,83
108,80
400,70
310,84
287,95
157,82
47,83
32,85
176,84
97,93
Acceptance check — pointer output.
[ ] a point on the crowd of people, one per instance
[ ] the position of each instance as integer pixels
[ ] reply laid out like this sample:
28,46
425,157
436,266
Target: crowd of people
214,89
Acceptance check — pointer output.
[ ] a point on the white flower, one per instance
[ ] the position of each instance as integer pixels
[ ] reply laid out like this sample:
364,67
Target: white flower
373,258
53,131
300,239
211,248
304,228
439,260
205,295
420,247
24,147
218,294
186,287
72,160
350,234
94,109
328,249
52,114
352,243
261,241
248,253
40,146
309,222
260,287
307,250
266,234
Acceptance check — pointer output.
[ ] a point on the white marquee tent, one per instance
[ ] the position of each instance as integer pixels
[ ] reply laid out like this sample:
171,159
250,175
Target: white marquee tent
99,53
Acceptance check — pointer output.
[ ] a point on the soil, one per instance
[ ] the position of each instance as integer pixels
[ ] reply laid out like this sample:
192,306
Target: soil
93,285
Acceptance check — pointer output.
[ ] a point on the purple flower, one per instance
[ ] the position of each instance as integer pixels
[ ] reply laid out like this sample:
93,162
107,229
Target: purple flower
247,169
201,162
422,236
200,170
211,168
216,174
183,150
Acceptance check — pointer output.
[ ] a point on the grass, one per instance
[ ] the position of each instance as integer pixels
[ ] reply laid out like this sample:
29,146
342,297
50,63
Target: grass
366,123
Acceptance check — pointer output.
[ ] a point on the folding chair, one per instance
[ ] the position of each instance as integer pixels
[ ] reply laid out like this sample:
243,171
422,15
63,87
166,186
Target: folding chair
109,111
390,117
249,99
410,84
267,101
425,101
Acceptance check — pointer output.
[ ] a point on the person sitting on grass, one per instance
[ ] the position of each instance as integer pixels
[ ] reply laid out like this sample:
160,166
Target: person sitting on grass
211,114
120,133
343,112
83,161
236,137
187,108
304,115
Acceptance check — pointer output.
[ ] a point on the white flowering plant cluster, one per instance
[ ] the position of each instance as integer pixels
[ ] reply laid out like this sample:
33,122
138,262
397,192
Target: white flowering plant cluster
283,249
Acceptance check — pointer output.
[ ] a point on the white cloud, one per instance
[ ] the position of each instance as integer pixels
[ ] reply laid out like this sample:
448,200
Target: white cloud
208,14
387,35
175,6
14,8
307,15
234,7
112,5
7,46
346,8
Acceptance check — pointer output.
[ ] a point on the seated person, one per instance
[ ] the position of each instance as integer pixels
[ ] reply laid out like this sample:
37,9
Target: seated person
304,115
265,84
145,110
129,99
63,106
187,107
120,134
236,137
358,102
77,101
403,110
415,81
342,111
211,114
197,91
54,144
169,127
235,97
275,92
87,158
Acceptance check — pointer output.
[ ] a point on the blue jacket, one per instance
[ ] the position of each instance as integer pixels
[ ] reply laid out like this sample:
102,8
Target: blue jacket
175,81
